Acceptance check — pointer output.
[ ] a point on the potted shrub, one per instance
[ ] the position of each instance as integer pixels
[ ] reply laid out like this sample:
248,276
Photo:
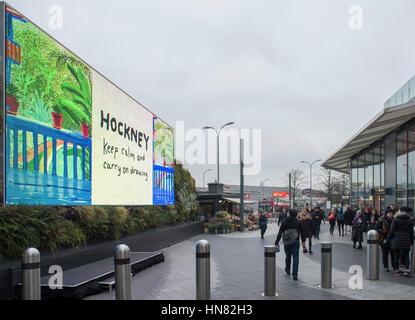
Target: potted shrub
57,120
211,228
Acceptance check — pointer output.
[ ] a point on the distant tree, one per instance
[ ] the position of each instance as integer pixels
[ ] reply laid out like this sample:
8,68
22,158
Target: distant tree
335,185
297,182
327,180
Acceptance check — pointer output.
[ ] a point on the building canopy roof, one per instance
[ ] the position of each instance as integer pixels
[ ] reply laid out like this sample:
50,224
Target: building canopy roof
386,121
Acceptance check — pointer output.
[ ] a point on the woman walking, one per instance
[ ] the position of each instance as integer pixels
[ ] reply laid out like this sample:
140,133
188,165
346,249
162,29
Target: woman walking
307,227
357,230
332,220
401,237
383,227
263,219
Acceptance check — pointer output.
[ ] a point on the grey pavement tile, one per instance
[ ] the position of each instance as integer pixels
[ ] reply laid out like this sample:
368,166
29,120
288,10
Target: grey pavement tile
237,272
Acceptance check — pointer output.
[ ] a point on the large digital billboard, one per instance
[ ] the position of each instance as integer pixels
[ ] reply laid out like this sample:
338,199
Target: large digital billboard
71,136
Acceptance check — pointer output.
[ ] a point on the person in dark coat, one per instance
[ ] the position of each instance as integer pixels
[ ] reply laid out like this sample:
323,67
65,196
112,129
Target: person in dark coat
282,216
316,218
401,237
291,231
307,227
383,226
357,227
372,220
263,219
348,218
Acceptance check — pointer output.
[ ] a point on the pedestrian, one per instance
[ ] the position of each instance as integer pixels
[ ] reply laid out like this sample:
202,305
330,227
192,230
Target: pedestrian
348,218
307,227
357,227
401,238
340,222
302,214
291,231
383,227
316,218
372,220
332,220
393,208
282,216
263,219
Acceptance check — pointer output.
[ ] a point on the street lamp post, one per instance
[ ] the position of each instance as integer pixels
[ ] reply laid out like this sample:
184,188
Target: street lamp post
204,173
311,175
263,189
217,135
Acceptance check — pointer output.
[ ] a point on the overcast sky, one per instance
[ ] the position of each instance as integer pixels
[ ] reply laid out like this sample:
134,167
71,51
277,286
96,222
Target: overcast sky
293,68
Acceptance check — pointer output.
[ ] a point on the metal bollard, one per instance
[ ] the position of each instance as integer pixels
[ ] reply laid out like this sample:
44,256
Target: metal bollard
372,255
413,256
122,272
326,265
31,274
202,270
269,271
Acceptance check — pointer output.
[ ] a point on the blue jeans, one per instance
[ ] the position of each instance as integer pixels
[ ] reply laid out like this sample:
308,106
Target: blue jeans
294,251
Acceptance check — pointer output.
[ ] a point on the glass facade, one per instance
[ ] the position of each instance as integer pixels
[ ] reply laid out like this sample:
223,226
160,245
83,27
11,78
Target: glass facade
401,168
367,175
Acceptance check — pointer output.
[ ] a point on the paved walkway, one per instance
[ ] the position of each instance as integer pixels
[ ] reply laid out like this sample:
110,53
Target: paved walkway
237,271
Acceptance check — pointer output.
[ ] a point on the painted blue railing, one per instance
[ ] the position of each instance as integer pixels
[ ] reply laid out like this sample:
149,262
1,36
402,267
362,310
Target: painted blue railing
163,185
25,186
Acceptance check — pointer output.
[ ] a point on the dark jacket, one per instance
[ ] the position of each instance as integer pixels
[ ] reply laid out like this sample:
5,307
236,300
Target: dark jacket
307,227
317,217
290,223
348,217
282,218
369,219
364,224
401,235
383,227
262,221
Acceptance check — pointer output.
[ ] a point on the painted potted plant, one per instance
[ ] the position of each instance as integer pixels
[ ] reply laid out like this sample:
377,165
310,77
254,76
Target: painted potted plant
12,105
85,128
57,120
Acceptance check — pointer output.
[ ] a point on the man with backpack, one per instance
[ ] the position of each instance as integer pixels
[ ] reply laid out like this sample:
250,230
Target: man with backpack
340,222
291,231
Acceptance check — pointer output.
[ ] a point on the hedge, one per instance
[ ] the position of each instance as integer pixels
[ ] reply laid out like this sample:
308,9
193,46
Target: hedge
69,227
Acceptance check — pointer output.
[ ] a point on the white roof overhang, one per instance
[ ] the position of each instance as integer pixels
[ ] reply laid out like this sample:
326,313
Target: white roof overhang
386,121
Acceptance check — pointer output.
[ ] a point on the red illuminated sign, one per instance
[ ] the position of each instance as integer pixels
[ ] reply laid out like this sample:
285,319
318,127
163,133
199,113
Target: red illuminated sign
280,194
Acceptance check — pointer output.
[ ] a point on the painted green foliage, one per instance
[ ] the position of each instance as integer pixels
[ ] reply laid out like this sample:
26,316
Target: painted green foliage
49,79
164,144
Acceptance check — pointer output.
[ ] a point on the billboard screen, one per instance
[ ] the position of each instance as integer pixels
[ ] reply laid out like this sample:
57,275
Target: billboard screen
72,137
